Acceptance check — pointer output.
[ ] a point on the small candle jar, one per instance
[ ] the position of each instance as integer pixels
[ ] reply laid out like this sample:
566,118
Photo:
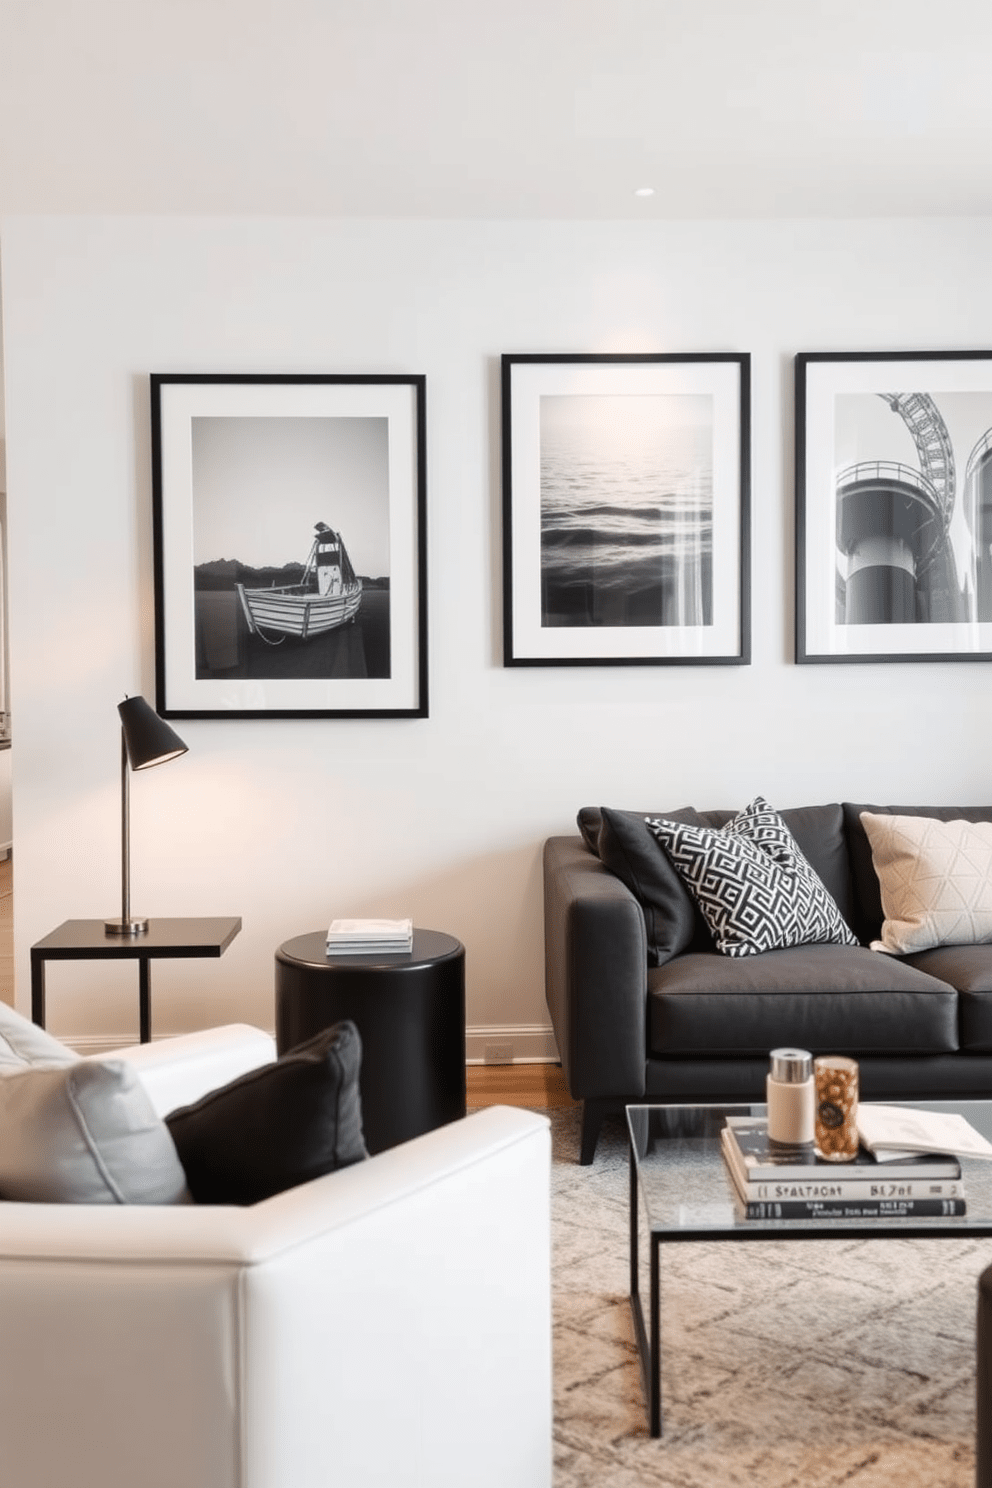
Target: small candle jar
791,1098
836,1108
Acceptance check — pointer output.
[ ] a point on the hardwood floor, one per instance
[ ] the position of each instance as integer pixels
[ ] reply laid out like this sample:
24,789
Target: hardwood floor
535,1085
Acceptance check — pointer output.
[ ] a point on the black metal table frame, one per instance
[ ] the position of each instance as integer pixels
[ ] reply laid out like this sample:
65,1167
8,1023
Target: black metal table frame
141,948
648,1332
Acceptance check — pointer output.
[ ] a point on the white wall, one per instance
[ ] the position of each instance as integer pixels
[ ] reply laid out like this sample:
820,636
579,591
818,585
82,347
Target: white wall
443,818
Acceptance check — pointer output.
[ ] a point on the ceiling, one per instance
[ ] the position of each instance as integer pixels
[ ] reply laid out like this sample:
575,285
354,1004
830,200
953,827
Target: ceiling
518,108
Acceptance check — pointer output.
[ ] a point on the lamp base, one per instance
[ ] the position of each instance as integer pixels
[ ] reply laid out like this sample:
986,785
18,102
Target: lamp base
130,926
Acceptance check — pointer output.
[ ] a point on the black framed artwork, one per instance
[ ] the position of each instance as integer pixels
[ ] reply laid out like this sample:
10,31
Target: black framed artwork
290,545
894,506
626,509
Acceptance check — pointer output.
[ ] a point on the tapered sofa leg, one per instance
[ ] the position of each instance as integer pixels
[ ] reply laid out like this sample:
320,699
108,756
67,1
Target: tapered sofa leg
593,1112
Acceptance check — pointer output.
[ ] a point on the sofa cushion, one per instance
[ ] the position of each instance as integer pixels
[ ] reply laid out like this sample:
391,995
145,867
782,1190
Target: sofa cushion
867,915
23,1043
753,884
824,998
935,880
84,1133
969,969
277,1126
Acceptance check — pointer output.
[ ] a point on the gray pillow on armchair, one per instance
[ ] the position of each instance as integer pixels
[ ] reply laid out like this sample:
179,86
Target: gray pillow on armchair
84,1133
23,1043
78,1131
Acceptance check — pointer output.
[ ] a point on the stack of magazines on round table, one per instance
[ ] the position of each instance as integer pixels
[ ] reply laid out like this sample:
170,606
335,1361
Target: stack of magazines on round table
370,938
907,1165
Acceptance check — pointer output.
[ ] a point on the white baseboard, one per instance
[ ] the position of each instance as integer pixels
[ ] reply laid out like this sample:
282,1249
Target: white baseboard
499,1043
510,1043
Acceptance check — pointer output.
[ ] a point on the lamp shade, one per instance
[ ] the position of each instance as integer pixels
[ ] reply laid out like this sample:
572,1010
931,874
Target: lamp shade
148,739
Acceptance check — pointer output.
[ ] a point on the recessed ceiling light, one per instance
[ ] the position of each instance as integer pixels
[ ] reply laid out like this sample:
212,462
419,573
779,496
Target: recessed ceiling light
644,191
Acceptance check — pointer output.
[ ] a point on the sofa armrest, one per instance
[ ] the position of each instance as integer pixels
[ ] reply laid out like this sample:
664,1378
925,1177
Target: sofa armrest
178,1071
596,960
373,1326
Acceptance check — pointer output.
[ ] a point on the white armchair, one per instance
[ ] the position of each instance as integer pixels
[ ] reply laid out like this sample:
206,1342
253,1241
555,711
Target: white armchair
386,1325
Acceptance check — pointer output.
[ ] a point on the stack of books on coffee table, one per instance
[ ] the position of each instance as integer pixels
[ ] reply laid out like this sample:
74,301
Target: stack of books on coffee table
772,1183
370,937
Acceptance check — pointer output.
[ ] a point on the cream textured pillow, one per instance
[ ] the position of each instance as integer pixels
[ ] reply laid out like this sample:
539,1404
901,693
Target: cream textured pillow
935,878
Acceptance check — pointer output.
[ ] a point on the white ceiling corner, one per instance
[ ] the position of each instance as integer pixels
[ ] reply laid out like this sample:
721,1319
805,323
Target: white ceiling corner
526,108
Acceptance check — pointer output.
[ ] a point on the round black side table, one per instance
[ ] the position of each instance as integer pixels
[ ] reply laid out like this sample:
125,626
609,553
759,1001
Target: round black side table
410,1013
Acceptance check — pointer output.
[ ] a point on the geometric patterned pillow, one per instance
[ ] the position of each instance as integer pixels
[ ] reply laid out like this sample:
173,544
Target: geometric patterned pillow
754,886
935,879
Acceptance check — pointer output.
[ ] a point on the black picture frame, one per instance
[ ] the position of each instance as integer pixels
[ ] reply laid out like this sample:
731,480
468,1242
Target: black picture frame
893,489
626,509
290,538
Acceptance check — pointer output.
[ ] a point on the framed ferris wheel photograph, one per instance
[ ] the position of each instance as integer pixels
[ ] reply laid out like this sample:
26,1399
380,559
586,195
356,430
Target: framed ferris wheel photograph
893,506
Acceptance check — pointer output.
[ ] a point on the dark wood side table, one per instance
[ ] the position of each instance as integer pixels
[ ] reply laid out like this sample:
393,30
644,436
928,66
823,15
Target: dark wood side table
87,940
410,1013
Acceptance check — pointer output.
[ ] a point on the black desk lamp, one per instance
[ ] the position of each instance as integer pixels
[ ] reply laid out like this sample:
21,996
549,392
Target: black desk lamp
146,740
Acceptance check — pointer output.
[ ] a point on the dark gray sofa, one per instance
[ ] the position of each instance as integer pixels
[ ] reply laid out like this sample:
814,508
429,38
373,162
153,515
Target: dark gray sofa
645,1009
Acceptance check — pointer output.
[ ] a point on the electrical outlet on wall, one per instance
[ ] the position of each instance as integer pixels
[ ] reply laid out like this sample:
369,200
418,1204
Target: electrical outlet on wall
498,1053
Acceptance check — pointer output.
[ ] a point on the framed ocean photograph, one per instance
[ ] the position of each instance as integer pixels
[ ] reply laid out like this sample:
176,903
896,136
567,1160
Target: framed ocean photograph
290,546
626,510
894,506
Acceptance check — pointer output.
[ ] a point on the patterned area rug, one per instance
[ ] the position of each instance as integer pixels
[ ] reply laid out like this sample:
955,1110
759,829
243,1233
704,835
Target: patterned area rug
799,1364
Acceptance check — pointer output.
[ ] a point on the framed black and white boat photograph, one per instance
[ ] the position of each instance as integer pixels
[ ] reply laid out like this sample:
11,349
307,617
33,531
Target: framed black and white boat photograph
894,506
626,509
290,545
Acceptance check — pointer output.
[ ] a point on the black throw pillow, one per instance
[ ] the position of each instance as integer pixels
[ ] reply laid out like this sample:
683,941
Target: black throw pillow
277,1126
628,848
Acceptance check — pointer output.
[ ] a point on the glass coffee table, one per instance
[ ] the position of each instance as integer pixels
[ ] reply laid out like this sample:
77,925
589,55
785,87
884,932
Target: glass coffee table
680,1190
